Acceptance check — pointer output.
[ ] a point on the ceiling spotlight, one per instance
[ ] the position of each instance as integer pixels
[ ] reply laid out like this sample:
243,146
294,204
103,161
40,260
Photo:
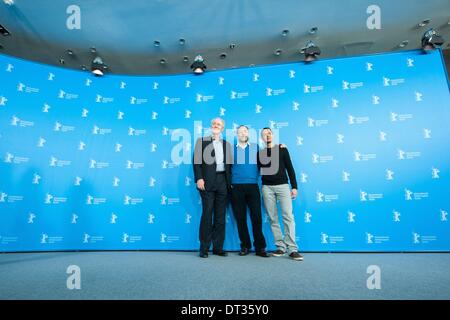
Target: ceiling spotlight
156,43
98,66
313,30
198,67
9,2
69,52
311,51
182,41
232,46
185,59
163,61
431,39
223,55
423,23
61,61
83,67
285,32
403,44
3,31
278,52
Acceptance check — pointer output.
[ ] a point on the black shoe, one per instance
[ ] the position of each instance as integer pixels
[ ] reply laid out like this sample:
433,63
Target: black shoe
278,253
244,252
203,254
220,253
263,254
296,256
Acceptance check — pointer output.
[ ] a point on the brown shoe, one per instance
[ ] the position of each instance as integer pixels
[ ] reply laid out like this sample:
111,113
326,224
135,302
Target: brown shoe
278,253
296,256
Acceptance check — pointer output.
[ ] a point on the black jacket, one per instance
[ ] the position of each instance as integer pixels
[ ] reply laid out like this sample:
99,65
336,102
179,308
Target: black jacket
206,170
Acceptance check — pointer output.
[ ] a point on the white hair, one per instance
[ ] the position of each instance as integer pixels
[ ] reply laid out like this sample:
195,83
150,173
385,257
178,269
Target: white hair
220,119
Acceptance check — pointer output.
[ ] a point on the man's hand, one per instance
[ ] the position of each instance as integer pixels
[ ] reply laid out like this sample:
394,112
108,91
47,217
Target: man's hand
294,193
201,184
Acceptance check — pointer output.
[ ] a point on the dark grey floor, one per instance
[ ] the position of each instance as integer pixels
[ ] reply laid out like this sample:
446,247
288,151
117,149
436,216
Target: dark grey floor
183,275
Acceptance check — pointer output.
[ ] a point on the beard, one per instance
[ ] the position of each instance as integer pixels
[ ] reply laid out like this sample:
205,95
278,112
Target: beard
244,139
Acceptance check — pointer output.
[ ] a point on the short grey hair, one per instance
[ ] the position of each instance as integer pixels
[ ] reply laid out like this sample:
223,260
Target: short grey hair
220,119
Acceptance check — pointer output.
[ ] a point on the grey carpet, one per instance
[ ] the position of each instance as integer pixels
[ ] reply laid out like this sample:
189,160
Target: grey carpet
183,275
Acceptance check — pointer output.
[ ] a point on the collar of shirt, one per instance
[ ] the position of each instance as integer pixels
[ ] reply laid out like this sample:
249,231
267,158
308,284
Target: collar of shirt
246,145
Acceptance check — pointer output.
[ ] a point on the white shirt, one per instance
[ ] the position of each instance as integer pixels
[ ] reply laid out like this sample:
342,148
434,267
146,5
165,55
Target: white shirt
218,150
247,144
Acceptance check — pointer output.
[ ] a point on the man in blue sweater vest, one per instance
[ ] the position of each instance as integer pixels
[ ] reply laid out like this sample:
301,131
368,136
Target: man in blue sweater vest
245,193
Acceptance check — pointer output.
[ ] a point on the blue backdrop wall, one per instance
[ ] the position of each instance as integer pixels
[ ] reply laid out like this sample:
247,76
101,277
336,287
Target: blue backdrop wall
88,163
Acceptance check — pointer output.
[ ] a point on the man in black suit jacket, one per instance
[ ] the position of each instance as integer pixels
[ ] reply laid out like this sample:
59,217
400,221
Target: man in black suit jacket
212,173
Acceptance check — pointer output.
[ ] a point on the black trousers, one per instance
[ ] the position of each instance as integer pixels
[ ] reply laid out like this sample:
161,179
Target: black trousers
212,222
244,195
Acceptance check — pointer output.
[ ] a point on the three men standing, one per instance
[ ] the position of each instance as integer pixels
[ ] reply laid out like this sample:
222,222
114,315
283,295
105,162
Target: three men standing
215,176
